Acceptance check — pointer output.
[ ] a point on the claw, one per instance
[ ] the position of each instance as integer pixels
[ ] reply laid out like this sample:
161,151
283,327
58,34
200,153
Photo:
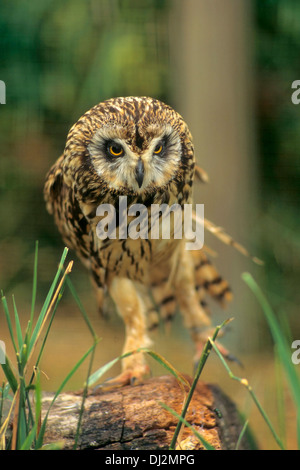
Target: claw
127,377
235,359
201,341
227,355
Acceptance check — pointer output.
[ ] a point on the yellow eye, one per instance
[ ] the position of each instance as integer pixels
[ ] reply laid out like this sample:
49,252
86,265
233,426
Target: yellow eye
115,150
158,149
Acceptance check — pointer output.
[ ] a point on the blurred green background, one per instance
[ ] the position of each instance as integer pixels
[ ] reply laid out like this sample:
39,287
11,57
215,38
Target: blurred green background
227,66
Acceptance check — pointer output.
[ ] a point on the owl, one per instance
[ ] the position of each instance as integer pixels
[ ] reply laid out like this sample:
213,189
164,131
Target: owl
140,148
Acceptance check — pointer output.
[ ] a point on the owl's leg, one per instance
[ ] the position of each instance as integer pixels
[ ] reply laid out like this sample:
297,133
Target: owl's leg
131,308
165,299
195,316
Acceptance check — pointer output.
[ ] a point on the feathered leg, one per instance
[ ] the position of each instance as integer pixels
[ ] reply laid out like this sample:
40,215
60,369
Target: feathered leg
131,308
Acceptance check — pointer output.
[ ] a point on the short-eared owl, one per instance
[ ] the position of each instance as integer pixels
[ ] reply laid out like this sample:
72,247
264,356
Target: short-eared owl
140,148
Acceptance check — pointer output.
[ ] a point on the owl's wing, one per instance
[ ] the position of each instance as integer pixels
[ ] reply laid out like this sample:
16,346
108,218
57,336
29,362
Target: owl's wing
74,226
53,186
63,205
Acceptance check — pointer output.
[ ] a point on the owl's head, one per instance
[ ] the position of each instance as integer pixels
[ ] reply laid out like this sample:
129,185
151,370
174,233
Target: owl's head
128,146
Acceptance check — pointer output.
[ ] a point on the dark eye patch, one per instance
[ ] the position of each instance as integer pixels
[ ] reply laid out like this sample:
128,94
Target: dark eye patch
161,147
112,150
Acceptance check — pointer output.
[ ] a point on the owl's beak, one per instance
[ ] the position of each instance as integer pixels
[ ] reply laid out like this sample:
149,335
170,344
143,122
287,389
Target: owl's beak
139,173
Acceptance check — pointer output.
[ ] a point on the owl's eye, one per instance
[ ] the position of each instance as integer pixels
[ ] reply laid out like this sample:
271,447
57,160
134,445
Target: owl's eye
159,148
115,150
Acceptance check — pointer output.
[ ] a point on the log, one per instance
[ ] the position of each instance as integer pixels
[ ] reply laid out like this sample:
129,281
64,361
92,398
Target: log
132,418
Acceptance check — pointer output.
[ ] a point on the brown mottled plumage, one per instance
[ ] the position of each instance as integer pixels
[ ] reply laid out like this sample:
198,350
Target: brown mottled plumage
140,148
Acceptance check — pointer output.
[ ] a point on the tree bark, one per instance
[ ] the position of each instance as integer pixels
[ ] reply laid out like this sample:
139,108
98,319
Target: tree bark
132,418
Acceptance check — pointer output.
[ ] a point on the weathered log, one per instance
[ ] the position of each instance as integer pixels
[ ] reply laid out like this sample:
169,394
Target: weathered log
132,418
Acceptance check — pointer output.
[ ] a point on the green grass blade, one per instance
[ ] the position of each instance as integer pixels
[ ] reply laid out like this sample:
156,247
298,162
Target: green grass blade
245,383
23,359
201,364
22,428
96,376
47,301
29,439
18,325
38,402
68,377
166,364
53,446
242,433
280,396
203,441
8,321
1,402
42,347
5,396
283,348
10,376
84,395
81,308
298,429
34,288
27,334
29,412
33,299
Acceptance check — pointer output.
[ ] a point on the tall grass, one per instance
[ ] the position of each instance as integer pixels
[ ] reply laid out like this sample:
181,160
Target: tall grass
23,385
23,426
283,362
282,349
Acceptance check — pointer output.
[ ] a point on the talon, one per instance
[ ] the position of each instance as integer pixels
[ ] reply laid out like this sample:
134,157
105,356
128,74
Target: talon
228,355
120,380
200,342
127,377
233,358
133,380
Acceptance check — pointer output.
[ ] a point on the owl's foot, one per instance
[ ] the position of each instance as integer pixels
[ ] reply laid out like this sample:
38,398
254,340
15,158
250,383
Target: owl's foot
127,377
202,340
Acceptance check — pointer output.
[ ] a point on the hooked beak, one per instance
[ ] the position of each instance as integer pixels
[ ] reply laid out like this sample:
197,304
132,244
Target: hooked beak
139,173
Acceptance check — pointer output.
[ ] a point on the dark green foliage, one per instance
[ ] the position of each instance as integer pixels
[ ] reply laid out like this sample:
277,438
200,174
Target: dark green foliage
277,57
59,58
